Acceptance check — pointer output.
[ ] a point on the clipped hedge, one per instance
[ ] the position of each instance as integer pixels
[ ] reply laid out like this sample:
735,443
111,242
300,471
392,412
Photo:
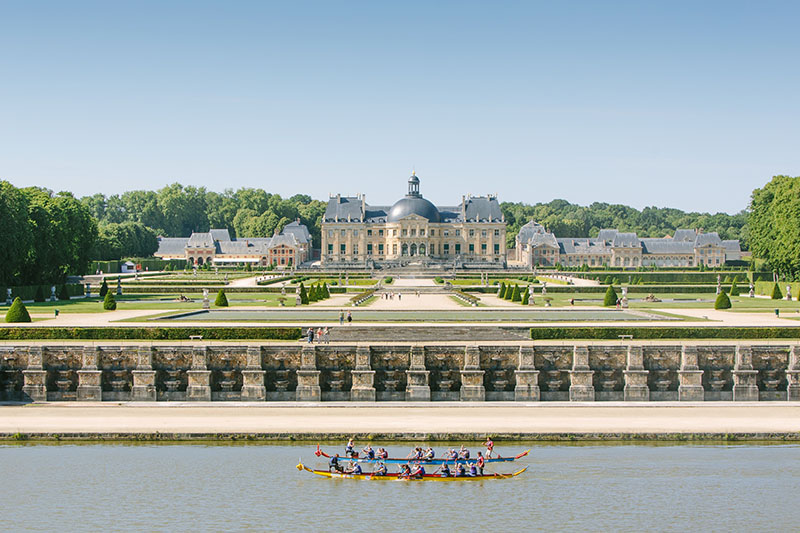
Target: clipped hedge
151,333
667,332
29,292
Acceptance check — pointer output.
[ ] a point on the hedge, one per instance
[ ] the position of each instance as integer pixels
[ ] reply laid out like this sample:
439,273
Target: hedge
648,332
672,277
151,333
28,292
601,289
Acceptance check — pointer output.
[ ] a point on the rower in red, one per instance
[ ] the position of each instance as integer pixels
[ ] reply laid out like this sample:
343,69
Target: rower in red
489,447
480,462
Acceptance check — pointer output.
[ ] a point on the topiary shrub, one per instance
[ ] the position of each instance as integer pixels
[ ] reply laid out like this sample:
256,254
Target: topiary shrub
735,290
325,292
103,289
303,294
608,280
526,295
221,300
109,303
722,302
610,299
17,312
63,294
515,294
501,291
509,292
776,292
39,296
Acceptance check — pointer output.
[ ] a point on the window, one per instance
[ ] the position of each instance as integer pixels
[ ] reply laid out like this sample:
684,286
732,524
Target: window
422,232
446,249
458,233
458,249
483,248
342,248
483,233
394,249
355,249
433,232
330,233
380,249
380,233
369,233
369,249
472,233
471,249
496,249
497,233
446,233
344,232
405,232
355,233
413,232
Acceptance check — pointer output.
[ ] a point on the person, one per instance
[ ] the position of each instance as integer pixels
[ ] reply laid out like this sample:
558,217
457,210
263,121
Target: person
382,453
399,296
460,471
429,454
310,335
349,317
481,462
333,464
463,453
348,450
489,447
355,469
369,452
452,454
341,317
326,335
418,473
444,470
415,455
380,470
473,470
405,471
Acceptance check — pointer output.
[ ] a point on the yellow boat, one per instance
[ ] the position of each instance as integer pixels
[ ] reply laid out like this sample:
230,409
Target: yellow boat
396,477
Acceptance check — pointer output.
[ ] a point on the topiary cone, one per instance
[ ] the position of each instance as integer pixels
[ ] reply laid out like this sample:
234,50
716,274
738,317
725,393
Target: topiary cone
17,312
221,300
722,301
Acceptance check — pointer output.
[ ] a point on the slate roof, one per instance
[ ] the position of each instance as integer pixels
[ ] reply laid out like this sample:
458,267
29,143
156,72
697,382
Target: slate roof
220,234
482,209
201,240
666,246
732,246
171,245
685,235
583,246
704,239
342,207
607,234
527,231
225,245
300,231
626,240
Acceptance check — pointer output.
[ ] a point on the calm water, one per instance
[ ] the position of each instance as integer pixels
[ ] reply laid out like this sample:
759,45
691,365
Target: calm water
212,488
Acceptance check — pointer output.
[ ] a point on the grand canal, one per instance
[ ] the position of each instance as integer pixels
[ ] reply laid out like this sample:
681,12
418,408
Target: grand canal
256,487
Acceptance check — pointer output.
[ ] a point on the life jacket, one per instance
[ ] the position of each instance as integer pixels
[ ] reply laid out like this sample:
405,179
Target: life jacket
357,469
466,454
385,455
480,460
473,470
334,461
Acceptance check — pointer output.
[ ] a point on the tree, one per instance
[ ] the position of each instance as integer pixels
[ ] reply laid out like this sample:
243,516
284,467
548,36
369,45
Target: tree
774,224
63,293
16,239
39,296
526,296
17,312
515,294
303,294
312,293
776,292
735,290
109,303
722,301
221,300
509,292
103,288
325,292
501,291
610,298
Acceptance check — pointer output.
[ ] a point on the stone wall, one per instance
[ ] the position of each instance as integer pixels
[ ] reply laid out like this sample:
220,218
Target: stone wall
384,372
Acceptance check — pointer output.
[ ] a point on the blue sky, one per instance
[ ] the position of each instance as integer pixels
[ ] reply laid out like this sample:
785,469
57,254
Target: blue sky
678,104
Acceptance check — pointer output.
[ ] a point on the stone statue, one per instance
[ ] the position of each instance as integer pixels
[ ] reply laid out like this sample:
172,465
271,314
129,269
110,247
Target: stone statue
624,301
88,290
789,293
8,297
206,304
544,288
53,294
283,290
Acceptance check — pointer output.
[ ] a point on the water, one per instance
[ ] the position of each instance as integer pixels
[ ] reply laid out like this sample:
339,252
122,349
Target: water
256,487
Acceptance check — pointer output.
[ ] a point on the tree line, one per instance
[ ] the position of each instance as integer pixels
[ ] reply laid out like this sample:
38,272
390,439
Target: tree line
774,225
570,220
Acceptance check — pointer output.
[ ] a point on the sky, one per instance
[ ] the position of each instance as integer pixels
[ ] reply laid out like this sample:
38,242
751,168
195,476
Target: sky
671,104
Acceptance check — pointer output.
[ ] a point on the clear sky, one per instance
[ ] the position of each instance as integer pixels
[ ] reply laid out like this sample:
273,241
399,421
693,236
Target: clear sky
674,104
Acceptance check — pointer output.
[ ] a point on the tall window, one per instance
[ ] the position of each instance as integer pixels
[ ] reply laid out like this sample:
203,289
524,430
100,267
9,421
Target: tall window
380,249
330,249
471,249
483,248
343,249
496,249
369,248
458,249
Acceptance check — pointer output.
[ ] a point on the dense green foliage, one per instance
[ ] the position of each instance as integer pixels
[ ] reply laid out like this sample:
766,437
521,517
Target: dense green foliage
303,294
515,294
177,210
109,302
776,292
154,333
45,236
221,300
17,312
774,224
649,332
570,220
103,288
735,289
610,298
526,296
722,301
127,239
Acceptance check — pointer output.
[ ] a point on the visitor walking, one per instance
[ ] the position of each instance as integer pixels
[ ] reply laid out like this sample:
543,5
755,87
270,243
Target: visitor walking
341,318
326,336
310,335
349,317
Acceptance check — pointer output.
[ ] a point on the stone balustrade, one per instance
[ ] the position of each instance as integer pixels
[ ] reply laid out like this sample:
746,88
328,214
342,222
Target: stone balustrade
529,372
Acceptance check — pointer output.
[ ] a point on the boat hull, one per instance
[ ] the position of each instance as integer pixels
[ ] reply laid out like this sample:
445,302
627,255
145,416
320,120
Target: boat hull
367,476
432,462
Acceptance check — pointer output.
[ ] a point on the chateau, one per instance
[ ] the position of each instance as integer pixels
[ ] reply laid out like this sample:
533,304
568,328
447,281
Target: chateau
292,246
413,230
687,248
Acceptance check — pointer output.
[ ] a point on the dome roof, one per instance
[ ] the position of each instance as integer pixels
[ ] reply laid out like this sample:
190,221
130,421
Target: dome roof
416,206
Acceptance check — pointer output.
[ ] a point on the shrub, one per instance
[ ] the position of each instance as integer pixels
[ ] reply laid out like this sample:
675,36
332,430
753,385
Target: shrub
608,280
39,297
325,292
509,292
150,333
501,291
221,300
109,303
303,294
63,294
438,279
103,288
776,292
17,312
645,332
388,279
735,290
610,299
722,302
515,294
526,295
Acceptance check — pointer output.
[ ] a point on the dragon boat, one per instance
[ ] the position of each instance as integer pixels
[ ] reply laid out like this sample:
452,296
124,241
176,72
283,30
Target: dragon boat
435,461
396,477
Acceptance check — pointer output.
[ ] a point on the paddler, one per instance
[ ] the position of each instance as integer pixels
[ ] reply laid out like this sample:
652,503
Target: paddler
489,447
380,470
382,453
473,470
463,453
452,454
460,472
348,450
405,471
355,469
369,452
333,464
443,471
418,472
481,462
429,454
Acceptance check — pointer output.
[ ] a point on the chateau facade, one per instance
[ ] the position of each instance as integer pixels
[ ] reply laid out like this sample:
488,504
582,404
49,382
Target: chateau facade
290,247
413,230
687,248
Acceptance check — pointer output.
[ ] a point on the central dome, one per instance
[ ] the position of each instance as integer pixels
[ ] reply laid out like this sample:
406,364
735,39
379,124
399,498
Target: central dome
414,204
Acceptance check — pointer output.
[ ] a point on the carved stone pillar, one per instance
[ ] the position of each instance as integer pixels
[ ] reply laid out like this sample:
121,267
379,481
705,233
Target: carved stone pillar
199,388
35,376
308,389
89,387
363,389
472,389
745,388
253,389
793,374
417,388
690,377
580,377
636,389
527,377
144,377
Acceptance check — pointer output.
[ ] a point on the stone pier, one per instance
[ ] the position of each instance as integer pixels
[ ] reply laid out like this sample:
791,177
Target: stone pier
690,377
363,377
199,388
144,377
527,377
636,389
744,377
793,374
418,388
253,389
89,377
35,387
472,389
581,388
308,389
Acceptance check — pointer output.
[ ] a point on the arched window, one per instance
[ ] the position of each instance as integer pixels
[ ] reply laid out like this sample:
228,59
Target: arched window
413,249
421,249
200,261
405,249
